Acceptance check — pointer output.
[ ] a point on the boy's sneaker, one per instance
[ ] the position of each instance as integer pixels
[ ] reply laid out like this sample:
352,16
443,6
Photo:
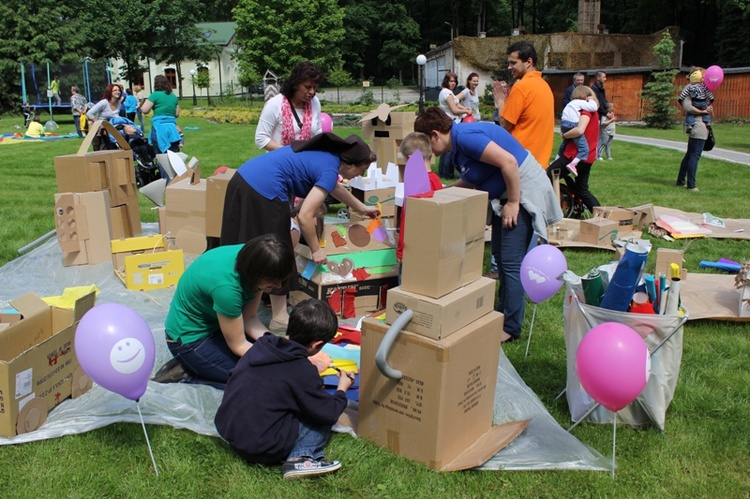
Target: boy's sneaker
572,169
171,372
308,467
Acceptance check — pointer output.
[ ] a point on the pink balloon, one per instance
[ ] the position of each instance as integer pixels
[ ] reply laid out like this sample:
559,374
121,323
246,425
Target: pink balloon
540,270
326,122
713,77
115,347
613,364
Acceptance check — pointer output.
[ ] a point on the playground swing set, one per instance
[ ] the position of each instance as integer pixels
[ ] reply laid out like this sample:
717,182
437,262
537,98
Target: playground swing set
89,75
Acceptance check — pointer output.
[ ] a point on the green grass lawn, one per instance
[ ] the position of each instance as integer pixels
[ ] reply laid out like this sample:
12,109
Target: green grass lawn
703,452
728,136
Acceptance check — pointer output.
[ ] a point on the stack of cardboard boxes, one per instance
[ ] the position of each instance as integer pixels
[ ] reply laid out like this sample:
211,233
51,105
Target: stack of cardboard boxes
385,130
97,199
440,411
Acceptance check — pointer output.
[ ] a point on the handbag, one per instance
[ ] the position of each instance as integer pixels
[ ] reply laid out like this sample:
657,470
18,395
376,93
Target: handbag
710,141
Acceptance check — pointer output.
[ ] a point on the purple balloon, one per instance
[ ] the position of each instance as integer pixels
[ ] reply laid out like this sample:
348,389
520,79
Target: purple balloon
713,77
115,347
326,122
540,270
613,364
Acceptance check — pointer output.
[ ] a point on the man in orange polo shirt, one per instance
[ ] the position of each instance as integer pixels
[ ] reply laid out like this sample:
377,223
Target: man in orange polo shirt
527,111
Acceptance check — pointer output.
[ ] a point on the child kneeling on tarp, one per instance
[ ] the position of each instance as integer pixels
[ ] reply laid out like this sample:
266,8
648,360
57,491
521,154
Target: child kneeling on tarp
274,408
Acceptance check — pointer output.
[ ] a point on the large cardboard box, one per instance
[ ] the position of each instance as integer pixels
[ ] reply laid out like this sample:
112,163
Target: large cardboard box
37,362
143,264
444,243
186,212
126,219
83,227
216,190
440,411
348,299
351,237
598,231
439,317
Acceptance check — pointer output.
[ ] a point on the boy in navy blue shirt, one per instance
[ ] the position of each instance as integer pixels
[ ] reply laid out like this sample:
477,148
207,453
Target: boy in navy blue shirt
274,408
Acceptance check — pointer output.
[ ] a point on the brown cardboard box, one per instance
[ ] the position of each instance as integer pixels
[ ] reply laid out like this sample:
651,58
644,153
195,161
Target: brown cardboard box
444,241
348,299
440,411
186,212
665,257
37,362
386,197
623,216
439,317
644,215
216,189
350,237
598,231
83,227
126,219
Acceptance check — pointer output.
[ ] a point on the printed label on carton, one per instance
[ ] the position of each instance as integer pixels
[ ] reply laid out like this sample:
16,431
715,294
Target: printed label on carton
474,389
407,399
23,383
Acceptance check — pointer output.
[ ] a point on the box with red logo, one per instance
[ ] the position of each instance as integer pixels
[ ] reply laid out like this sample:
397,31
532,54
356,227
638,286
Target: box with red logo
38,366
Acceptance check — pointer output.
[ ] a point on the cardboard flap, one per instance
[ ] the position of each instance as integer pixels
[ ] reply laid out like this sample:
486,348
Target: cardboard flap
94,129
29,304
191,239
193,173
83,305
486,446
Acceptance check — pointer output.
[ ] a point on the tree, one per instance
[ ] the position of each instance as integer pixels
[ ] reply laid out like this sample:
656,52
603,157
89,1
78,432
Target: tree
659,92
399,35
179,39
278,34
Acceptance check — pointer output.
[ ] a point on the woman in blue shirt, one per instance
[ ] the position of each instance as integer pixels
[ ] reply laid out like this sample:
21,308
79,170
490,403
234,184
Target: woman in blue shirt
488,158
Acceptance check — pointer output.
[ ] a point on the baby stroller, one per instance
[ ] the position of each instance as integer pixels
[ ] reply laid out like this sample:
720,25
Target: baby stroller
144,161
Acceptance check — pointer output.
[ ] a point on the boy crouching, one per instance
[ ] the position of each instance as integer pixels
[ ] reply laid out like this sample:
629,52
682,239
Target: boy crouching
274,408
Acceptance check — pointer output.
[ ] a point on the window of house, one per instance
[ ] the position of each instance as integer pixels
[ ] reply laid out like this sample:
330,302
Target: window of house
171,75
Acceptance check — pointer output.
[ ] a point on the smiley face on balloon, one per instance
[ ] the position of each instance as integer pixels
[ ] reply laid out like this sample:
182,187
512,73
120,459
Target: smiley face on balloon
115,347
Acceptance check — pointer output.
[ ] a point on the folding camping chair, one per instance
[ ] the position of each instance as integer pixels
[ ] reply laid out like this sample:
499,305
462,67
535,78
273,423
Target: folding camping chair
663,336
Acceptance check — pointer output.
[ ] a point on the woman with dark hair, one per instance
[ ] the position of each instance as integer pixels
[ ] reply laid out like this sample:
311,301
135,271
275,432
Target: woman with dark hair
588,126
294,114
257,197
448,103
213,317
164,135
470,97
490,159
105,109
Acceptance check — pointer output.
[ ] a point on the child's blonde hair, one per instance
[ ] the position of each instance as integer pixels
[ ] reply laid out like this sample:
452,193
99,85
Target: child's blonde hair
610,106
414,141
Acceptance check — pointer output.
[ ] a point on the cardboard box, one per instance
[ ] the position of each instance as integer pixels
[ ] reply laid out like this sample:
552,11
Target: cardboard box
623,216
644,215
665,257
216,190
126,219
186,212
348,299
37,362
444,243
440,411
439,317
385,196
598,231
142,263
352,237
98,171
83,227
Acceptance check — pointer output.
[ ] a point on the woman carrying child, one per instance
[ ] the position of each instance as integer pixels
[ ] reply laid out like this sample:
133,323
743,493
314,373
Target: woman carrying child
488,158
581,100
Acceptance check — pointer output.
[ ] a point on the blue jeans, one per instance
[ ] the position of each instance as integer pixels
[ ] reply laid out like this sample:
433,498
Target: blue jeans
689,165
310,441
209,360
509,246
581,143
697,104
139,116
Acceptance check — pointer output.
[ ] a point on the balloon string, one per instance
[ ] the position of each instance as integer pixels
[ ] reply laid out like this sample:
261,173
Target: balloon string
614,441
531,329
148,443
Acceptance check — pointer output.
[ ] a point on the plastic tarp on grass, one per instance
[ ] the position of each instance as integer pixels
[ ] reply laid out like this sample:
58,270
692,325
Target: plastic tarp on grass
544,444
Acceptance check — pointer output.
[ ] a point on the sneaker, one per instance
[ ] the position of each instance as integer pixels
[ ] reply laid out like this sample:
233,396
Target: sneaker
601,158
572,169
308,467
171,372
694,189
611,158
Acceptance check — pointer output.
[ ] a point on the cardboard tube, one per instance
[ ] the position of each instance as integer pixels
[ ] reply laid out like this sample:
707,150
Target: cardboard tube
673,300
